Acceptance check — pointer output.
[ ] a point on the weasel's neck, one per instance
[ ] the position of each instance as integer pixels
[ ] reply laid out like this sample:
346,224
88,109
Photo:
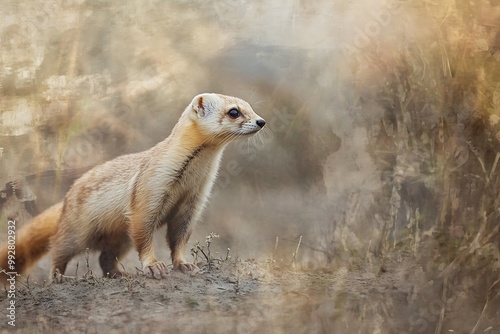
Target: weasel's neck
188,136
187,144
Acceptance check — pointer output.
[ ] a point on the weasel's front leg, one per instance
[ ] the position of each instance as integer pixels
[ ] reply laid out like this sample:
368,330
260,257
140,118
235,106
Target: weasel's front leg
142,235
178,234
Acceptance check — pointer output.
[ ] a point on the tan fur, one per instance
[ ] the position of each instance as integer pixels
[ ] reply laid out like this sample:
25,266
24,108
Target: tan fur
121,203
32,241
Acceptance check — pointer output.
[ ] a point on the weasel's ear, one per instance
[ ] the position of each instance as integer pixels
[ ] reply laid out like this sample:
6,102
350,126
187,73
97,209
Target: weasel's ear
203,104
199,105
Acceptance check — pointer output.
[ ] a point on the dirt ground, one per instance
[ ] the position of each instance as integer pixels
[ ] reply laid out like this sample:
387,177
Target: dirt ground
388,295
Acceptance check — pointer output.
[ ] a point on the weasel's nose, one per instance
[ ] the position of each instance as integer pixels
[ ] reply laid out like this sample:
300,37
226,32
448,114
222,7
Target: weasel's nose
261,122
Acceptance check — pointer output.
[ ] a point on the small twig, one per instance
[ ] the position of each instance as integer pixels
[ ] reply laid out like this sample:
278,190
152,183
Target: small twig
475,244
494,165
443,309
76,271
476,153
87,256
297,250
208,242
227,254
202,252
367,256
474,330
130,287
206,257
27,285
490,290
275,247
88,275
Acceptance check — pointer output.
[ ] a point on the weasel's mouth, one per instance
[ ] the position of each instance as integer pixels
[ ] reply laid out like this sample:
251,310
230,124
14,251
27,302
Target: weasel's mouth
248,133
242,134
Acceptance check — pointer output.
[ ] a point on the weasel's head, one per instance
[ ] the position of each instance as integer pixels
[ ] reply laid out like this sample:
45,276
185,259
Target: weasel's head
224,117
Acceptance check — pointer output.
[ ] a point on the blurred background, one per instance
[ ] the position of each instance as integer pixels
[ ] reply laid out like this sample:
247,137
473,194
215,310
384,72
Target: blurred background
384,121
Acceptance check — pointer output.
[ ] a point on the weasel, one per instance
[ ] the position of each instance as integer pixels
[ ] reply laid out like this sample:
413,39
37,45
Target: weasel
121,203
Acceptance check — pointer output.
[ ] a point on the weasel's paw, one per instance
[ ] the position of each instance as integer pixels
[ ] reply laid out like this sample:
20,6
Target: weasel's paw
57,277
187,267
157,270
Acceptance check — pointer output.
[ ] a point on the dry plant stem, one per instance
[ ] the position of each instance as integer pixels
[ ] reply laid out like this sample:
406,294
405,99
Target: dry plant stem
491,235
297,250
208,250
476,153
474,330
87,256
443,309
205,255
202,252
275,247
473,246
442,46
298,245
27,285
495,164
367,255
89,274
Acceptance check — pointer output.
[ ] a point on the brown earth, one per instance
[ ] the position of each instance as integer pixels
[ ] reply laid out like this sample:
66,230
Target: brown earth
388,295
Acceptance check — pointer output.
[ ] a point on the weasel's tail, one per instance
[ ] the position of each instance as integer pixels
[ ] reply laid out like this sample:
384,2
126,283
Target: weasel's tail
32,241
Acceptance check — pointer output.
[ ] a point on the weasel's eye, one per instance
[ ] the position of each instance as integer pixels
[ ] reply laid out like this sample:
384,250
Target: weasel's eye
234,113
